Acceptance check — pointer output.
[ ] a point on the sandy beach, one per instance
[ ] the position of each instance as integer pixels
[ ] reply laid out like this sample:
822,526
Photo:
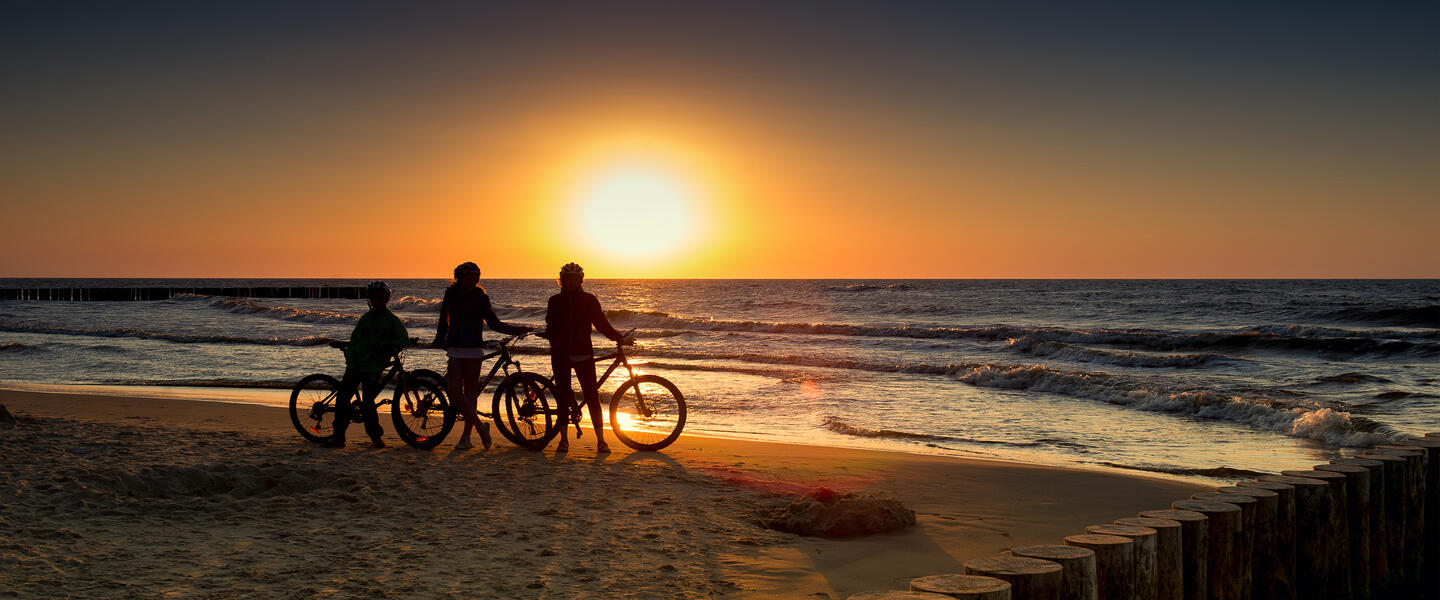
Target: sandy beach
108,497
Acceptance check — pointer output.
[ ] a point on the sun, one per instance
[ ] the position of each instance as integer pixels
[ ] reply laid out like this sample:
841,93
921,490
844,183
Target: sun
636,211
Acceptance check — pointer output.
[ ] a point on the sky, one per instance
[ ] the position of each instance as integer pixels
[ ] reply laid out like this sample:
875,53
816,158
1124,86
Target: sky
677,139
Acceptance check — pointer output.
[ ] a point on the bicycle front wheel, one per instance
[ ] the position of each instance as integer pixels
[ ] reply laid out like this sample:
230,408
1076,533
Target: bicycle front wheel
647,412
312,406
421,413
526,411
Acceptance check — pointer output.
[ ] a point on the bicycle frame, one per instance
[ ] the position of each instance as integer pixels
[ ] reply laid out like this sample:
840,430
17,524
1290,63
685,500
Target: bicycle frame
505,362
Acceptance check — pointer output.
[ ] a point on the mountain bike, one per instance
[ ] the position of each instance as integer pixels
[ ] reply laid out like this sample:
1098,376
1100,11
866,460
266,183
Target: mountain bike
647,412
419,409
518,389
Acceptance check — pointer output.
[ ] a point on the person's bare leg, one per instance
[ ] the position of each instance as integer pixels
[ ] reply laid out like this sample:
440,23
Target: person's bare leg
472,394
457,378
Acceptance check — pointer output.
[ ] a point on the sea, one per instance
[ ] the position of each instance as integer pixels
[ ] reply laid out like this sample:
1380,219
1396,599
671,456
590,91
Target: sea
1190,379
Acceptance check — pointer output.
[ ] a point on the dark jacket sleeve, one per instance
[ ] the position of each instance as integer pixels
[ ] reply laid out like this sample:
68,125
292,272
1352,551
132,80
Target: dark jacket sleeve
444,325
494,321
597,317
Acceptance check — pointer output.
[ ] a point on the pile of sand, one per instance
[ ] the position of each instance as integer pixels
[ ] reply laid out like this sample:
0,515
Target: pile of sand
826,513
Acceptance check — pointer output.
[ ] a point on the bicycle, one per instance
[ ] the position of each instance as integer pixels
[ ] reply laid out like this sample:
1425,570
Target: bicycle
647,412
419,409
534,388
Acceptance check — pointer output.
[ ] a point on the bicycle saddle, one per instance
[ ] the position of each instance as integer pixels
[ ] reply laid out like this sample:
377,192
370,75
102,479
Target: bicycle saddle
339,345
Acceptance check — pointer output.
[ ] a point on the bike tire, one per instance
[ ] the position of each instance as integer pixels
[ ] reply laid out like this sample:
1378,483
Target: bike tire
434,377
312,406
421,412
652,424
526,411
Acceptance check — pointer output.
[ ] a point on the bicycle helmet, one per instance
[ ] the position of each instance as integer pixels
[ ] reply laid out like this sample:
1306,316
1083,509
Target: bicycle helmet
467,268
572,269
378,286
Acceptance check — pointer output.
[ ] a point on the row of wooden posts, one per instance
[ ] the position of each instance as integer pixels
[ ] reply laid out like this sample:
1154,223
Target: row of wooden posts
140,294
1357,528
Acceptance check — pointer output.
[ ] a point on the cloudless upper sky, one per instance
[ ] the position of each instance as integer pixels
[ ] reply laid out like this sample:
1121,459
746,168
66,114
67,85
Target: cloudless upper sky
798,139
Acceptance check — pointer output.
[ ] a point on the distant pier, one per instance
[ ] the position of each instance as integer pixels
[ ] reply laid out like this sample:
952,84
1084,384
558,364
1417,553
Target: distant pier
134,294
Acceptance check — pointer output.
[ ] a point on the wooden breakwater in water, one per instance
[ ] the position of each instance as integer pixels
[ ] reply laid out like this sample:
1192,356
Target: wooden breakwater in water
133,294
1365,527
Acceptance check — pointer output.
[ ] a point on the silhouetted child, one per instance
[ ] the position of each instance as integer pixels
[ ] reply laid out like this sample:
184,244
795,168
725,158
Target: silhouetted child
377,336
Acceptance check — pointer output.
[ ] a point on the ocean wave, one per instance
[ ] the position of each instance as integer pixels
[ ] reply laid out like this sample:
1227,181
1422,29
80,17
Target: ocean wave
246,306
180,338
1353,377
1221,472
869,287
13,347
1062,350
1343,342
215,383
1282,413
1405,316
838,426
416,304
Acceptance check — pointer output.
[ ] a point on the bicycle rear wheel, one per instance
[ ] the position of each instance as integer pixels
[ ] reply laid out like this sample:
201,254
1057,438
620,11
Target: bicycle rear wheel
647,412
526,411
421,413
312,406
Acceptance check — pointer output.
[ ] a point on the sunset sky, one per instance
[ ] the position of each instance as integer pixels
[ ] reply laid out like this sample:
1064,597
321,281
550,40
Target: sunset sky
670,139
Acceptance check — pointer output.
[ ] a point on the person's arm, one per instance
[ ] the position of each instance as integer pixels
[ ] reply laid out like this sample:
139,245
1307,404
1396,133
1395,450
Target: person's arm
493,321
396,336
597,317
444,325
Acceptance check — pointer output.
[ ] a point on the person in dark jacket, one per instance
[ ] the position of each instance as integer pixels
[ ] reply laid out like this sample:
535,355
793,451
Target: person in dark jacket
568,319
463,315
377,336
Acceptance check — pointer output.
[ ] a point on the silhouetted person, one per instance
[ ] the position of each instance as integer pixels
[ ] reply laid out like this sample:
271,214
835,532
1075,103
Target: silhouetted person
568,320
377,336
464,313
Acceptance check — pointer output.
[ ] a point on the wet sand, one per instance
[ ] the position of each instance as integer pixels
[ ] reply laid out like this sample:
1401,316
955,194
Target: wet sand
119,497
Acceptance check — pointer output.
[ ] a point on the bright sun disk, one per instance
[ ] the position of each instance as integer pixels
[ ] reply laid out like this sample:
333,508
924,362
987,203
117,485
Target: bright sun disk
636,212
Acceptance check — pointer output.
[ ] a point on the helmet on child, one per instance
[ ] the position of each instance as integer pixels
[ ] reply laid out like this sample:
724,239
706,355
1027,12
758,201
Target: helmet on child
572,269
378,286
467,268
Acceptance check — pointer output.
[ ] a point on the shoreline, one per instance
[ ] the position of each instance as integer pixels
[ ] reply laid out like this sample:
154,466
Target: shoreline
275,397
690,508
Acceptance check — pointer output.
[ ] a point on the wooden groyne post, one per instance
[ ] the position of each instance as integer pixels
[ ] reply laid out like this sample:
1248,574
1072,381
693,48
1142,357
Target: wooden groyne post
1169,562
1283,582
1029,578
1222,537
1243,558
1380,530
1194,549
1143,565
1114,563
1264,549
965,587
142,294
1078,576
1312,516
1357,515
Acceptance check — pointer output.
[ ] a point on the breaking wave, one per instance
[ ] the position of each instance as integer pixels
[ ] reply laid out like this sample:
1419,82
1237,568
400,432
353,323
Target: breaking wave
870,287
1281,413
1403,316
1222,472
245,306
1062,350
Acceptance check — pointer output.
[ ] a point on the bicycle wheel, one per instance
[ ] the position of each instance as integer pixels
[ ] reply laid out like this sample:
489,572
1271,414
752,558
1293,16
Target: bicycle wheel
312,406
526,412
436,378
421,413
647,412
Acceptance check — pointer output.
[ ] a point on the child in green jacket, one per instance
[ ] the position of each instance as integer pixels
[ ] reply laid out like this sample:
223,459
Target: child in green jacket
377,336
